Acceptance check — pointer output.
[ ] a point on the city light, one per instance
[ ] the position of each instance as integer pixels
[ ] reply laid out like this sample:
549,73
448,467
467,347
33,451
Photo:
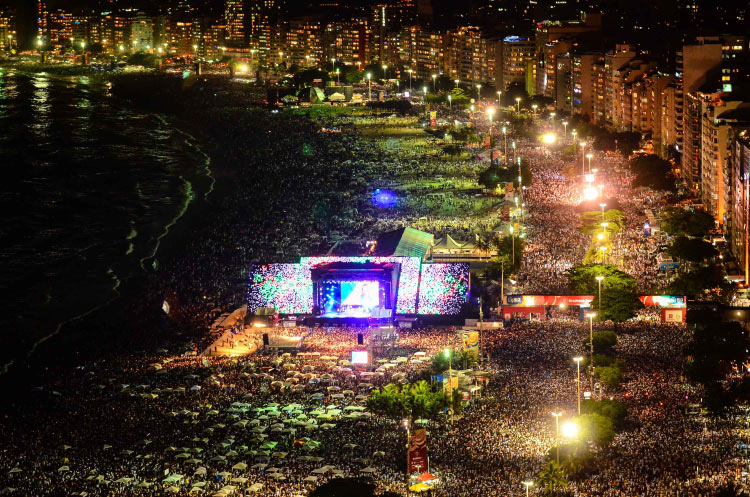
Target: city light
549,138
569,429
590,193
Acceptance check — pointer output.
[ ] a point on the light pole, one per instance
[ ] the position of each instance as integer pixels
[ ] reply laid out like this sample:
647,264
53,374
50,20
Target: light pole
479,97
408,441
513,246
589,156
574,133
505,136
583,158
456,81
604,255
385,72
578,363
410,71
500,98
518,104
490,113
591,316
369,87
599,279
450,104
528,484
450,379
434,77
338,78
533,108
565,129
557,436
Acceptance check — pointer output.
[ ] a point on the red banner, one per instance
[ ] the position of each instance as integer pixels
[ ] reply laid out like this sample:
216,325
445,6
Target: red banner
537,300
418,451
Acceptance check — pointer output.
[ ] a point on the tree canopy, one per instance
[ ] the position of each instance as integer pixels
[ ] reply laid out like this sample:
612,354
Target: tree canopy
416,400
678,221
653,172
699,281
691,249
619,297
596,428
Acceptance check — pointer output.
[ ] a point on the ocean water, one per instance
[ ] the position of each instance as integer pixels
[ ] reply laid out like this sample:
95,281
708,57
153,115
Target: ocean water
89,188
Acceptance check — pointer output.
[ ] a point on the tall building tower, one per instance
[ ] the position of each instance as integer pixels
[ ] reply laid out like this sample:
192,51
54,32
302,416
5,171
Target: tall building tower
41,19
234,18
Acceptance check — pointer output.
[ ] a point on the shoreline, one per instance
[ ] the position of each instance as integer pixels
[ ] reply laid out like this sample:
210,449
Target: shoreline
127,284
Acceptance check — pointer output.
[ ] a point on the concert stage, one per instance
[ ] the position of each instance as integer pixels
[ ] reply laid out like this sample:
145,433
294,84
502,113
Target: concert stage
362,290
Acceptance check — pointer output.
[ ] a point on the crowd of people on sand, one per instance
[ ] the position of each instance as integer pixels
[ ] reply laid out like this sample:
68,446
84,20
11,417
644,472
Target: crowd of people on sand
280,424
163,425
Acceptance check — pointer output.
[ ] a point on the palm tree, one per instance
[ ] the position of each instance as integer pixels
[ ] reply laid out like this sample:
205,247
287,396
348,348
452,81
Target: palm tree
465,359
552,479
483,246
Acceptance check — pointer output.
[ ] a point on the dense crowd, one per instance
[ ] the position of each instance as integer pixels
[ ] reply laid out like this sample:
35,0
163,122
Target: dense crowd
146,426
280,424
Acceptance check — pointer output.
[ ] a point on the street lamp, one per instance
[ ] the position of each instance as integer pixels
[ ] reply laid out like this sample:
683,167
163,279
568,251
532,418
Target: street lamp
565,129
369,87
591,316
424,90
583,158
490,113
600,279
450,379
479,87
589,156
533,108
528,484
578,363
408,441
557,435
513,243
338,79
505,136
434,76
450,105
604,254
456,81
518,104
570,429
385,72
574,133
499,98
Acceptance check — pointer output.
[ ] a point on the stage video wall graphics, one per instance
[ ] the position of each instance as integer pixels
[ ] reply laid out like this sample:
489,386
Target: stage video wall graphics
443,288
422,288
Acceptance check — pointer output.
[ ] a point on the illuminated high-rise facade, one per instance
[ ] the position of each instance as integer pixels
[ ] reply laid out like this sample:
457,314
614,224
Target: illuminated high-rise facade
234,18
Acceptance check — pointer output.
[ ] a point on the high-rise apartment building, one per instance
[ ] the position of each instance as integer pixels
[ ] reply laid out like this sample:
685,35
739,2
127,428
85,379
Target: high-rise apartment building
234,18
514,55
740,198
718,119
42,19
141,33
60,29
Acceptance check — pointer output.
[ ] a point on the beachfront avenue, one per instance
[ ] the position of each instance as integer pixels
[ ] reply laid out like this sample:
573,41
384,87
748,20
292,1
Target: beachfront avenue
557,405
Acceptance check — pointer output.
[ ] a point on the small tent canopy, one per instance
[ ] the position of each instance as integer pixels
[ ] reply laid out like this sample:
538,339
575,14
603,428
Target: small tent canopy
311,94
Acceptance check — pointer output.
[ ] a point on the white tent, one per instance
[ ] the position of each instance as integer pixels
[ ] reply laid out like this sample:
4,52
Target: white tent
200,471
240,466
63,468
